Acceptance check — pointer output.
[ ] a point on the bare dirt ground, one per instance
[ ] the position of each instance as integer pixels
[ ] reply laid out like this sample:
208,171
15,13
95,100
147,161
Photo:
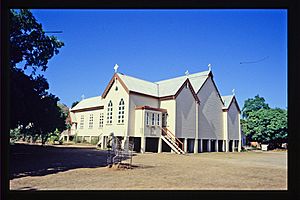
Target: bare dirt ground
35,167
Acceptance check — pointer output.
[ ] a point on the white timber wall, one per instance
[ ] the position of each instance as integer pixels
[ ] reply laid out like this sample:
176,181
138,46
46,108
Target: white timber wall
152,129
233,122
86,131
139,123
185,114
225,125
170,105
138,100
210,112
119,129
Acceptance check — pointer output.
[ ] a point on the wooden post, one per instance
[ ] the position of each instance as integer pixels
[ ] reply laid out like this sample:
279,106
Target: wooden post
185,145
143,144
196,146
209,145
201,145
159,145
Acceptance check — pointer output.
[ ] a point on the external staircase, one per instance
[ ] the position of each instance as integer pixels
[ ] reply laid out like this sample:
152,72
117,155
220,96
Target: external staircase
173,142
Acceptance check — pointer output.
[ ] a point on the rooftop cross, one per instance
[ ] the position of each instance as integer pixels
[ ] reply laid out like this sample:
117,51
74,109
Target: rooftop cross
209,67
116,68
232,92
187,72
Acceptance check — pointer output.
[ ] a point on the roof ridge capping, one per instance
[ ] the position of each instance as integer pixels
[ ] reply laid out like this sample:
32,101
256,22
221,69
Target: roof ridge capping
194,75
137,78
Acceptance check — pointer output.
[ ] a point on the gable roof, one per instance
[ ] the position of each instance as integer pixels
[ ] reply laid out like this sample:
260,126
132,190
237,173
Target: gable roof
159,89
171,86
93,102
228,101
139,85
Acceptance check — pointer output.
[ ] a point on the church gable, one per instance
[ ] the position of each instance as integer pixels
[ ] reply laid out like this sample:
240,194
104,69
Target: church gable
114,79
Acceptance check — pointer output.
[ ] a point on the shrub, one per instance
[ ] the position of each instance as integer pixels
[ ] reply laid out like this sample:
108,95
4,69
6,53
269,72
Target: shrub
94,140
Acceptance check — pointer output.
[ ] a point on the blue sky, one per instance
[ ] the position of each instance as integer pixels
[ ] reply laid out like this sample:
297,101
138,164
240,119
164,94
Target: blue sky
159,44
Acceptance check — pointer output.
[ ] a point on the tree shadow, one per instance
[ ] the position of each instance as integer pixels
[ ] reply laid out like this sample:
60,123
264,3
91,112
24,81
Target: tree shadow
35,160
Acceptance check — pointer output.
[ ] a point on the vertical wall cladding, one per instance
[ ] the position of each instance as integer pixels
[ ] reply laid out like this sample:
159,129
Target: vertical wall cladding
86,131
233,122
185,114
170,105
139,124
225,124
138,100
115,94
210,112
152,129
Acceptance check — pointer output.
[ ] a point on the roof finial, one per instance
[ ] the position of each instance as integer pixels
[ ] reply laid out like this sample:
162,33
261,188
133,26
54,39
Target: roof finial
233,93
116,68
209,67
187,72
82,96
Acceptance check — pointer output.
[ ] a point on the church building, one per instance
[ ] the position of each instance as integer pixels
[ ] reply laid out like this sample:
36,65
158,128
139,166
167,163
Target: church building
185,114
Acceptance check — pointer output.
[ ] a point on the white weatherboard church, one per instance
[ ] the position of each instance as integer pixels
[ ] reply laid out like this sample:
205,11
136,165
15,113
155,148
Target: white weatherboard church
182,114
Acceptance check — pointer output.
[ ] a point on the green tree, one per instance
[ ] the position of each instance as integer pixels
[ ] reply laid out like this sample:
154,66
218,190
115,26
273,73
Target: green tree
28,41
264,124
254,104
30,102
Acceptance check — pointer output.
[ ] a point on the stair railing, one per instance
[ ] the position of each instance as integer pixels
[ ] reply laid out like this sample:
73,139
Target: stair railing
168,133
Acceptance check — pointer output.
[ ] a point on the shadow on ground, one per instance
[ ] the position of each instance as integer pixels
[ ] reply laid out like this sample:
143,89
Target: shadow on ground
36,160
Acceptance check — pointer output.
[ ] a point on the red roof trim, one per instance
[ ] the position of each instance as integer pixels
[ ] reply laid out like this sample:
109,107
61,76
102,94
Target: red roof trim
211,75
150,108
187,81
88,109
111,82
226,109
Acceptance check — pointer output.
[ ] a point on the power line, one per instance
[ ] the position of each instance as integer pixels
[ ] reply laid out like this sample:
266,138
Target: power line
255,61
53,31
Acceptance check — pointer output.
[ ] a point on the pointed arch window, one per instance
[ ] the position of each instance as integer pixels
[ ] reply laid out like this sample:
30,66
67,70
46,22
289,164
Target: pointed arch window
121,113
109,112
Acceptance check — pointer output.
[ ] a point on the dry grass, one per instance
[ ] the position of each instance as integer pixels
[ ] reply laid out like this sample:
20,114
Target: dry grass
221,171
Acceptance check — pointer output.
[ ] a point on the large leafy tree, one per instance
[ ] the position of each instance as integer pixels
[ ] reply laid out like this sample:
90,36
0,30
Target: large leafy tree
264,124
30,102
28,41
254,104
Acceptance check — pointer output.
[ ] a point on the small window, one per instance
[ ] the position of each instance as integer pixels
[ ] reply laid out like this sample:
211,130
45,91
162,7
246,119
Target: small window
153,119
91,121
157,120
147,118
101,117
81,121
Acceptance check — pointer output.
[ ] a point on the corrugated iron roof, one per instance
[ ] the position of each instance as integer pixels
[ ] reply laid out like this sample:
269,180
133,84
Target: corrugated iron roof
227,100
88,103
165,87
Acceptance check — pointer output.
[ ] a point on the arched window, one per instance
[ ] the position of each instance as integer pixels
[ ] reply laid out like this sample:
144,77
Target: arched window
109,113
121,112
